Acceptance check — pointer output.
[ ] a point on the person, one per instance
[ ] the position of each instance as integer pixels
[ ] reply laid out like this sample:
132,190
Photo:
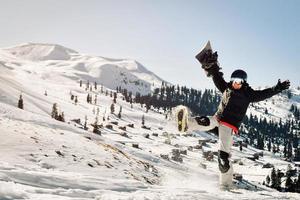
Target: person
236,97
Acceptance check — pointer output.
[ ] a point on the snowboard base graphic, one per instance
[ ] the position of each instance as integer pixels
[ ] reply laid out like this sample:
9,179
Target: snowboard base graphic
181,116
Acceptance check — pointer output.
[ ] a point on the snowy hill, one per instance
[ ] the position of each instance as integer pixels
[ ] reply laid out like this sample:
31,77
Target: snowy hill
278,106
42,158
63,63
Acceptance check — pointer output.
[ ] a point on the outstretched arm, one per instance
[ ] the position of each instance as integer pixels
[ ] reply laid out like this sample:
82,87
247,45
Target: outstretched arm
260,95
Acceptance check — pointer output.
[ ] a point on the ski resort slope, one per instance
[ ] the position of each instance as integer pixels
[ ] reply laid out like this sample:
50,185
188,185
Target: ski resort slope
42,158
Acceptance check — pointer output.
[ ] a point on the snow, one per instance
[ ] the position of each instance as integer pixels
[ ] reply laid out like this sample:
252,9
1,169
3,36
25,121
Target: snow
42,158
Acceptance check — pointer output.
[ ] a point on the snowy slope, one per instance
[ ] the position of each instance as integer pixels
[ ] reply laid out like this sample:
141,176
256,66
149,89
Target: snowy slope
42,158
63,63
278,106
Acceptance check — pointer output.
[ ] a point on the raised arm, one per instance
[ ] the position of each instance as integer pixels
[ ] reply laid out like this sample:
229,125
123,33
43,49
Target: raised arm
260,95
210,64
219,81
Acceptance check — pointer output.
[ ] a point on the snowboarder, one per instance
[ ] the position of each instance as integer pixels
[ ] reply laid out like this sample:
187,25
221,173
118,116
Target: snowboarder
236,97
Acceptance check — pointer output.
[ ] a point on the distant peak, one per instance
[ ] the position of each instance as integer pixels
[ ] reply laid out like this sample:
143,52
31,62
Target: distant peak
41,51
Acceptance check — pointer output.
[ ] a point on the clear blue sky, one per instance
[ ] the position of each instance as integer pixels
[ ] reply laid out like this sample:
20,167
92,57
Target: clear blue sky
259,36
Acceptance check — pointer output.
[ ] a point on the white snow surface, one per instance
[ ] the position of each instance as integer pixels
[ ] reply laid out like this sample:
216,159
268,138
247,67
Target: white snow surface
42,158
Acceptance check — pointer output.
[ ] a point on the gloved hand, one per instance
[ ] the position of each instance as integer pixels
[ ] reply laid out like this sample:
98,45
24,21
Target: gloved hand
207,59
214,69
280,86
202,120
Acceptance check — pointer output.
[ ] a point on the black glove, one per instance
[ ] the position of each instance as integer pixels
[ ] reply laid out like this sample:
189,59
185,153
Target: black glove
214,69
280,86
202,120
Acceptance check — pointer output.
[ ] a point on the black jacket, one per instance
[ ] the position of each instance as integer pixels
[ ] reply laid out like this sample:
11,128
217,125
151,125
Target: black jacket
234,103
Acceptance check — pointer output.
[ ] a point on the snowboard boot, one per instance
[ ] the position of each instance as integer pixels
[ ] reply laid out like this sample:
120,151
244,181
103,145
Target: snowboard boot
226,170
180,120
202,120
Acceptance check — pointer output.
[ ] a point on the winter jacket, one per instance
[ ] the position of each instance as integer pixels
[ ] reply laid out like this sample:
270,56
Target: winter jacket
234,103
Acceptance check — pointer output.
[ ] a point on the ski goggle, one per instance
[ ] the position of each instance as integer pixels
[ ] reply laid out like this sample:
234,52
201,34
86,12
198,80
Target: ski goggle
238,80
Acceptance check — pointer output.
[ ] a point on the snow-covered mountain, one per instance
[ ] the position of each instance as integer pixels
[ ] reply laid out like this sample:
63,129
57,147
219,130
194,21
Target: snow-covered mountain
277,107
63,62
42,158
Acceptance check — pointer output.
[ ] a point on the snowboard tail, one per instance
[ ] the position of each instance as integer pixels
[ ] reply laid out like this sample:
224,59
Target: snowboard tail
182,115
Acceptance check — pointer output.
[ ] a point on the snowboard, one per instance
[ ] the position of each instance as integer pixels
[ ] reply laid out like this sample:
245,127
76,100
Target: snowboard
181,115
185,122
207,58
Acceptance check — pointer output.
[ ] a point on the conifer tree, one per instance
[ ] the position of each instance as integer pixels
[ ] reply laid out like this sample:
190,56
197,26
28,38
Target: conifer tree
88,98
63,117
115,97
76,100
95,100
120,113
54,113
273,178
96,127
87,85
289,181
112,108
268,180
85,123
20,102
143,120
297,184
278,183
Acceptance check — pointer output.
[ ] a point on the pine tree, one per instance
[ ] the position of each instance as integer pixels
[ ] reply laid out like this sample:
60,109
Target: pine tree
273,178
95,85
143,120
87,85
20,102
54,113
112,108
63,117
268,180
46,94
85,123
120,113
88,98
297,184
115,97
269,145
96,127
95,100
278,183
76,100
80,83
289,181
